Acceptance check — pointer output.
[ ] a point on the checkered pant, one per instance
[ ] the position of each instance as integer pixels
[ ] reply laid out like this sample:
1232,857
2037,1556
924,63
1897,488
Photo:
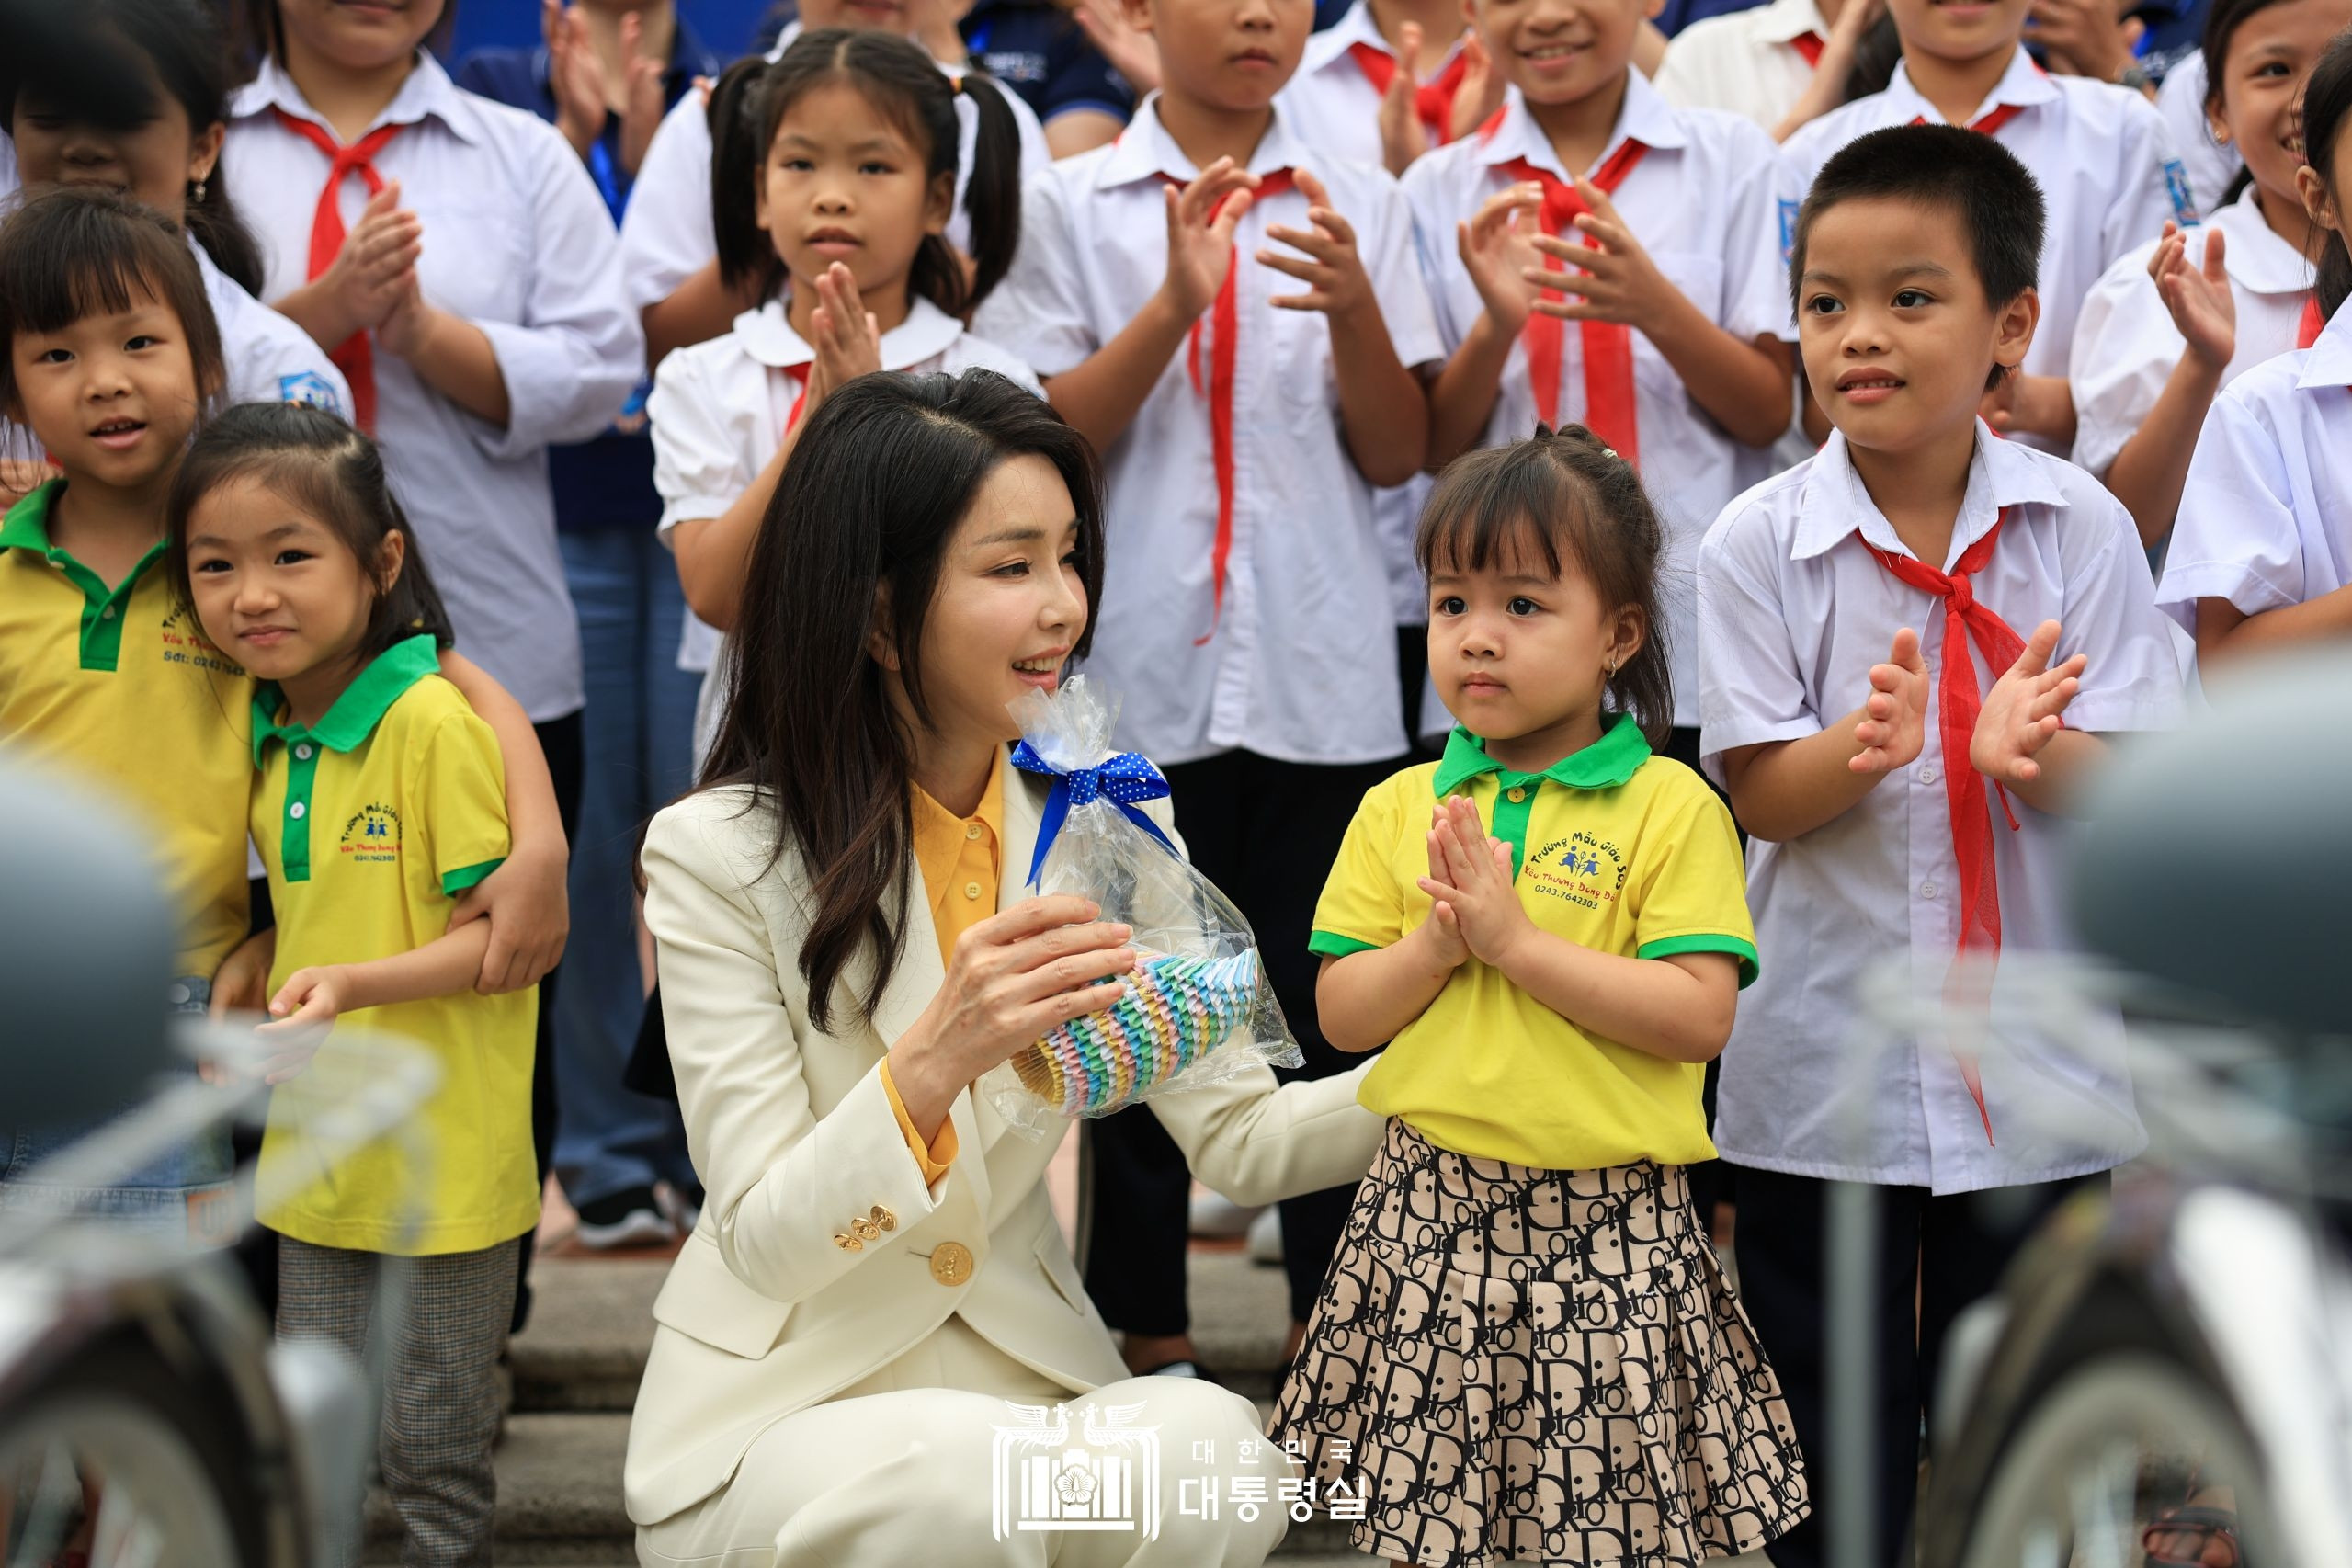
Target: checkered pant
435,1362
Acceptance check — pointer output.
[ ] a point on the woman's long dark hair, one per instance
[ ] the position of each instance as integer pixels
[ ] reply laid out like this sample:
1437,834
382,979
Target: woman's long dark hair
184,41
907,88
2327,107
885,471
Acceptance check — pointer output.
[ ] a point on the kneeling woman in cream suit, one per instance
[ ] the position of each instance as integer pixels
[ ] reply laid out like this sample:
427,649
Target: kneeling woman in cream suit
843,950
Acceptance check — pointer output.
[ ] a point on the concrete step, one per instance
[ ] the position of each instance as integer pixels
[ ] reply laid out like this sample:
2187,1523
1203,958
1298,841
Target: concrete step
592,1321
559,1493
558,1498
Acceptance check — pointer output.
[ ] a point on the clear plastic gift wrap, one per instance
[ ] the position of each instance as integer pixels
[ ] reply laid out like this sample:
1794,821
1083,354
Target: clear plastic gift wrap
1197,1009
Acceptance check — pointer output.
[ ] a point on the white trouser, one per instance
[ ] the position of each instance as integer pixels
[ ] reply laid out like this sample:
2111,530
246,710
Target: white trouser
900,1468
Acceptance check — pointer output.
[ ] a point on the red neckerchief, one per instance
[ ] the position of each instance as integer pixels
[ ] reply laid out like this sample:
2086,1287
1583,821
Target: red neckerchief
355,356
1432,100
1224,328
1607,347
1957,704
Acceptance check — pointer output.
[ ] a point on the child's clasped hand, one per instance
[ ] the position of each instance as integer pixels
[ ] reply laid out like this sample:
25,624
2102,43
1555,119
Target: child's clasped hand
1478,913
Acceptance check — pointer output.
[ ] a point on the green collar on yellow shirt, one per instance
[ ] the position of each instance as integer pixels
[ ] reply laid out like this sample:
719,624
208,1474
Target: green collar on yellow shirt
1607,762
103,608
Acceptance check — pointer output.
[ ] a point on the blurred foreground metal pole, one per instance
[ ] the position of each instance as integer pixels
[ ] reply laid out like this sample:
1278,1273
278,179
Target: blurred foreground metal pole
1852,1376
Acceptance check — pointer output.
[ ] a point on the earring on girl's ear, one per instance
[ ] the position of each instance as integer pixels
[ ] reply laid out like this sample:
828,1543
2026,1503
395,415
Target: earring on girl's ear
196,191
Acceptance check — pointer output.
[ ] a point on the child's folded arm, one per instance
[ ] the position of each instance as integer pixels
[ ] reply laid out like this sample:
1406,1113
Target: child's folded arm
445,966
525,902
1365,998
1784,789
1679,1007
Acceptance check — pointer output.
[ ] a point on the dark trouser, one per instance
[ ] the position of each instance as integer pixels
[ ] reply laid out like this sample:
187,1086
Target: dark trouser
1267,833
1934,1257
1413,678
561,741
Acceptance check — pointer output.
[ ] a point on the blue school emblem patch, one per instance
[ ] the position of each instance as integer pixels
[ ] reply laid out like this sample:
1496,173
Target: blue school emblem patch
1787,230
312,391
2176,186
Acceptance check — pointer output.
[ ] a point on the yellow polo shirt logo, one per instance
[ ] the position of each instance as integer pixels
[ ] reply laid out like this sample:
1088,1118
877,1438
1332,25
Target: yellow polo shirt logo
372,835
1616,850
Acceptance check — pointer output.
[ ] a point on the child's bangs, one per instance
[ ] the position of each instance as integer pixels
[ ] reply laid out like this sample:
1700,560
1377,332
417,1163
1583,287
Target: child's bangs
83,272
1515,516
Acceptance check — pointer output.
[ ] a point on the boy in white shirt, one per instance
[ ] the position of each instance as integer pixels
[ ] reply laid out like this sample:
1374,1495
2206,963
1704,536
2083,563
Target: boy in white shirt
1236,326
1918,582
2107,171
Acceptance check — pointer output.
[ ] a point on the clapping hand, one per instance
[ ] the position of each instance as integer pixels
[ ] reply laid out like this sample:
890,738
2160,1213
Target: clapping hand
2023,710
1894,729
1335,280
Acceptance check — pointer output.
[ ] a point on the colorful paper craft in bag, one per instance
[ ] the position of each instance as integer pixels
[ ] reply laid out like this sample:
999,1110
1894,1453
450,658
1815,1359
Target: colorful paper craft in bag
1177,1011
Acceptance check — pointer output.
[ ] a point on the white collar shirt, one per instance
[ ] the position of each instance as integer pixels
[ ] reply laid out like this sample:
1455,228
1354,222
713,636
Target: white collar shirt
1333,105
1745,63
2109,174
1709,202
667,235
518,242
1793,612
2266,514
1301,664
2180,103
719,410
269,359
2126,344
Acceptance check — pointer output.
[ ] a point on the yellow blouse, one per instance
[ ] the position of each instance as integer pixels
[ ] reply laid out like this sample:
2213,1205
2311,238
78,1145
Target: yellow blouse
962,862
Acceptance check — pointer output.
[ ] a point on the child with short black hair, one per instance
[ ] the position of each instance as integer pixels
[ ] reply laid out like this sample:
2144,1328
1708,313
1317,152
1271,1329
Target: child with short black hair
1833,724
2108,175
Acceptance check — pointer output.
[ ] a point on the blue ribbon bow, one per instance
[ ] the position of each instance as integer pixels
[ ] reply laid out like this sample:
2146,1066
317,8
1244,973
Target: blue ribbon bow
1125,779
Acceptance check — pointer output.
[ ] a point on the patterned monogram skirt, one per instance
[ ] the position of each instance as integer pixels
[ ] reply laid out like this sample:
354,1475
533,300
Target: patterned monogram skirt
1529,1366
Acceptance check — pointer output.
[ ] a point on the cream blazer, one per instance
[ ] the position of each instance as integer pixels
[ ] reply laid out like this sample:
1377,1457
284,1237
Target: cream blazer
765,1312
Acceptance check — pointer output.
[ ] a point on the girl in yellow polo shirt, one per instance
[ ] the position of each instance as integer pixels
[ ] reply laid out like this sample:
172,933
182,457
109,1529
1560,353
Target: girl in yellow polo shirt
1526,1344
381,800
110,352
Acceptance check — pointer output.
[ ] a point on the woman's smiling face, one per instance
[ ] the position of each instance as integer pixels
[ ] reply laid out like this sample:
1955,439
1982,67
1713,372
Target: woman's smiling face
1009,606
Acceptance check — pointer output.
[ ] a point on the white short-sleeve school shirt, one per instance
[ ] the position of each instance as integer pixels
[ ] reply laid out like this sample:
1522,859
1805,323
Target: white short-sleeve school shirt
2180,103
718,410
1708,201
2126,344
1793,612
518,242
2109,174
1330,101
1301,666
1744,62
2266,515
667,235
269,358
